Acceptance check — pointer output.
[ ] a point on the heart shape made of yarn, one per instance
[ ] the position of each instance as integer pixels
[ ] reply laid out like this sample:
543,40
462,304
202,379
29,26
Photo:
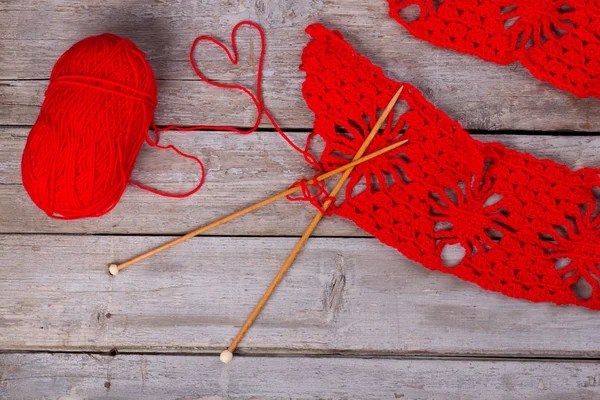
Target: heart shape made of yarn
233,57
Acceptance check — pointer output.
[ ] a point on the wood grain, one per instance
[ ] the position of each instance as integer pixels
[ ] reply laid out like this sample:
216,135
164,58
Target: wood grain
343,296
241,171
347,294
78,376
480,95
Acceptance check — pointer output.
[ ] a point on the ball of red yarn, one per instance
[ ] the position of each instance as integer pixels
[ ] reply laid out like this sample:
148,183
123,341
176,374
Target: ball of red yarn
95,116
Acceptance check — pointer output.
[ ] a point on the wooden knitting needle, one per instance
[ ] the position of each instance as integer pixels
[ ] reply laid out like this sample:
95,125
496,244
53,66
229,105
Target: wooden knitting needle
227,355
115,268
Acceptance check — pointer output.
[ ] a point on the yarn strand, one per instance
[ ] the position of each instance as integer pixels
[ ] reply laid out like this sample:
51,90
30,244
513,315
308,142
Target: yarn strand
257,100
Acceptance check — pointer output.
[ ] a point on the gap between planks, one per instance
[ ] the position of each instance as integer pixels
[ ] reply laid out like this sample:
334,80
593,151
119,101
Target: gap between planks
291,353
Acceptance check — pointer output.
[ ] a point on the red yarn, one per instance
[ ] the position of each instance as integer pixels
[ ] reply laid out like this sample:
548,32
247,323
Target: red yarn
556,40
530,228
318,198
96,114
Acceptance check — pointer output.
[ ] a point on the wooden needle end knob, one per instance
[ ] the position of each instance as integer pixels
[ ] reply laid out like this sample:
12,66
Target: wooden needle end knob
226,356
113,269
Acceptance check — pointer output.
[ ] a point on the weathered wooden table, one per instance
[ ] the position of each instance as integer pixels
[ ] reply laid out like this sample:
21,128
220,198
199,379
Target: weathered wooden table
352,319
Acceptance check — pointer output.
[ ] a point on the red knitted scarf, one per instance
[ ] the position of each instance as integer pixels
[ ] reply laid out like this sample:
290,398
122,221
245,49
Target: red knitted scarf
556,40
528,227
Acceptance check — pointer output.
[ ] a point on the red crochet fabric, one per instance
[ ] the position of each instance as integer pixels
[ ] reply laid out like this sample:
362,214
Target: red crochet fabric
529,227
556,40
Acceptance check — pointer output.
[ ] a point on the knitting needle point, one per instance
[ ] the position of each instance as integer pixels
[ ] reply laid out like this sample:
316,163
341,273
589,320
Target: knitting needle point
115,268
311,227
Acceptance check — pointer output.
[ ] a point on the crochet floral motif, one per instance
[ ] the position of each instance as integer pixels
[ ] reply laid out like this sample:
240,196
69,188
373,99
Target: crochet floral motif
557,40
529,228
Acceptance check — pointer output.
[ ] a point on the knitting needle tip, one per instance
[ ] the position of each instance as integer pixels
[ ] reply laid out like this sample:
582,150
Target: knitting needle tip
226,356
113,269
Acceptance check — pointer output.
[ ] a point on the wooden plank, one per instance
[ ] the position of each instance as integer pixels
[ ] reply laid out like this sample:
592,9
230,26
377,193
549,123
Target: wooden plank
343,296
75,376
241,170
479,94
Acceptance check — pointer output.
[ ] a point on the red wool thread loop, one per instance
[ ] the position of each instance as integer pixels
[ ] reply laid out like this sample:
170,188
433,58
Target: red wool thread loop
96,115
317,199
257,100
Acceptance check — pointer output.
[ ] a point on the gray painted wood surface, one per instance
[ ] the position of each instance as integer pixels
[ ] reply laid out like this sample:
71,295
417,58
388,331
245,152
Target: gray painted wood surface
81,376
352,297
241,171
481,95
351,312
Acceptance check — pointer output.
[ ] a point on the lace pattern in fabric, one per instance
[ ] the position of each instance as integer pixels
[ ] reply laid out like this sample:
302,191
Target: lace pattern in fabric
558,41
528,227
